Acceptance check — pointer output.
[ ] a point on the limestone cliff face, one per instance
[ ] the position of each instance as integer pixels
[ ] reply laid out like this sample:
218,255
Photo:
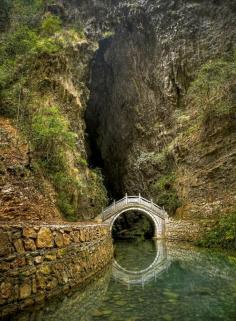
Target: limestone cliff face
26,191
139,117
143,128
23,195
45,91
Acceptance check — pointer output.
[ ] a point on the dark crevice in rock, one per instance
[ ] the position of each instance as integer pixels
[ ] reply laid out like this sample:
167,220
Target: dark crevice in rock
99,71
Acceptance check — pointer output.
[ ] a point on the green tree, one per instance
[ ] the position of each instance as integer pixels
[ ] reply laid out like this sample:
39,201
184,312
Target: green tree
50,25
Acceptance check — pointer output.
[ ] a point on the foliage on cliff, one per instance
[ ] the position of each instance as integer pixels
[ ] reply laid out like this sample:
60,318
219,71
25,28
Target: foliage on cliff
223,234
209,112
165,193
42,83
213,91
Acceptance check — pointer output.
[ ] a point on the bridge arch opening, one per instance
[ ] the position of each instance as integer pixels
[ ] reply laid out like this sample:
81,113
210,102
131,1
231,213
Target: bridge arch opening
133,224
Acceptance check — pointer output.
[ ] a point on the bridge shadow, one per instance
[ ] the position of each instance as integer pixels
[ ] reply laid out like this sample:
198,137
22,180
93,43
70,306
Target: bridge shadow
143,276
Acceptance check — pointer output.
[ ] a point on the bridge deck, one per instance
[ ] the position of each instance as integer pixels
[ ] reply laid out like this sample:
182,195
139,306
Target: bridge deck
138,202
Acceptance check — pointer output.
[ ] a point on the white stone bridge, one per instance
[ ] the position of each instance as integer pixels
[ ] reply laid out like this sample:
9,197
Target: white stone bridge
137,203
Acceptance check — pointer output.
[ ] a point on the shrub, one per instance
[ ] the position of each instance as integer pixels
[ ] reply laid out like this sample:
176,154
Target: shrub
26,12
223,234
79,28
4,14
6,72
19,42
46,46
5,5
50,25
96,188
169,200
212,92
8,100
108,34
165,193
82,162
50,134
65,207
152,158
67,188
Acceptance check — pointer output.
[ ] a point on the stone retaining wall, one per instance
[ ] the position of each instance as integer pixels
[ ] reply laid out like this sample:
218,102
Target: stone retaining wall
182,230
38,262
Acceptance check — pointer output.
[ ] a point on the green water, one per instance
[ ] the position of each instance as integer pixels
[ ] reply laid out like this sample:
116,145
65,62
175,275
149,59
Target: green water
170,283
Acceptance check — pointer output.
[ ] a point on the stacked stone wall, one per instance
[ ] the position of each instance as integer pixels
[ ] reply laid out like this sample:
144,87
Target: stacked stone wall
38,262
183,230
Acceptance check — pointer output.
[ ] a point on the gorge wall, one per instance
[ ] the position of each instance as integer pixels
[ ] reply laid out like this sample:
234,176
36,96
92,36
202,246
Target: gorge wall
133,87
45,66
152,136
38,262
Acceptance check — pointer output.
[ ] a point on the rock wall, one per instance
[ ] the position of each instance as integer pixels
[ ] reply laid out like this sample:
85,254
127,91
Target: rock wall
39,262
138,113
30,190
78,304
21,199
183,230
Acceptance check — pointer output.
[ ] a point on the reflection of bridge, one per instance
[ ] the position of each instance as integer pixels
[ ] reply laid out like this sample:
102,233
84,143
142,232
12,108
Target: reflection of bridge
159,265
137,203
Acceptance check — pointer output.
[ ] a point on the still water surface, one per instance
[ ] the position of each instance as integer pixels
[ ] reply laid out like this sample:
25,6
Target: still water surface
150,281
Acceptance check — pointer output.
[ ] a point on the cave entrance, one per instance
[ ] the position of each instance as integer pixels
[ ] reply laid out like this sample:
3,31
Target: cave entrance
133,224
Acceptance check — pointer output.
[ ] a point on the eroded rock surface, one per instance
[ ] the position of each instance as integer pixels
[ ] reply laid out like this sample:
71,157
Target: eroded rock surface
138,116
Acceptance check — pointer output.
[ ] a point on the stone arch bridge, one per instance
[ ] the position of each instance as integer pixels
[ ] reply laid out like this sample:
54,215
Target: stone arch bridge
137,203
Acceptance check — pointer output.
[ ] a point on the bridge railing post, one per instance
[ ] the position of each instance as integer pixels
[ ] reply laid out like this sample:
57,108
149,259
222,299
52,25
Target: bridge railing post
126,198
139,198
114,204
